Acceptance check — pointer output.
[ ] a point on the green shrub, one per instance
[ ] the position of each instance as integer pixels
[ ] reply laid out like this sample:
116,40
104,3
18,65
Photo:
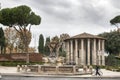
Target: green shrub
112,61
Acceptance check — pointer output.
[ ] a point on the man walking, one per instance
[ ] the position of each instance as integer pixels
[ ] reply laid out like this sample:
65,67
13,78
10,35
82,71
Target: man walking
97,70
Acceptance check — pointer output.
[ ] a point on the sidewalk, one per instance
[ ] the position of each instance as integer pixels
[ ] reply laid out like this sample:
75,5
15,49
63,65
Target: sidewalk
13,71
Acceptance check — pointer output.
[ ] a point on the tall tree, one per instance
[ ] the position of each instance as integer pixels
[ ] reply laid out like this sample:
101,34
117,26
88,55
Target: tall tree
28,37
20,18
41,44
116,21
112,42
2,41
62,49
62,38
12,38
46,48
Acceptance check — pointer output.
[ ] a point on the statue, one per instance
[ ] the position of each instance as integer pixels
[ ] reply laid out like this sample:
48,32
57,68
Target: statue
54,47
53,58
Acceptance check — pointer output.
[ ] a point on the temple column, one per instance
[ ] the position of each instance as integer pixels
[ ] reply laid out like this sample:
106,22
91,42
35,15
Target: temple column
71,49
99,53
76,51
88,52
82,52
103,57
68,52
94,59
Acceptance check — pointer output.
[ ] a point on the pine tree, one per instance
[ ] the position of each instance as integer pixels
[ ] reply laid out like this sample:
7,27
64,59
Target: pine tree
41,44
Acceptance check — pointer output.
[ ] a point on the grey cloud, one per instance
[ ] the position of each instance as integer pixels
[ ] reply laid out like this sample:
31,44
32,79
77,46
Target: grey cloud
91,13
65,3
57,9
115,3
69,16
66,12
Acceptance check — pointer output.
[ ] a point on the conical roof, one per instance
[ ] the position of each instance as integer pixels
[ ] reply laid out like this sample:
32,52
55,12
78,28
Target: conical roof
85,35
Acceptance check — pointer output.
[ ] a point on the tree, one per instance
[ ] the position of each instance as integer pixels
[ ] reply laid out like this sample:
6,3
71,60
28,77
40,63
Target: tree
46,48
28,37
20,18
112,42
115,21
62,49
62,38
2,41
112,61
12,38
41,44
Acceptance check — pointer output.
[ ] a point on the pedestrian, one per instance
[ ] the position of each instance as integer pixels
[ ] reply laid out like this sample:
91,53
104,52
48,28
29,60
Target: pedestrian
97,70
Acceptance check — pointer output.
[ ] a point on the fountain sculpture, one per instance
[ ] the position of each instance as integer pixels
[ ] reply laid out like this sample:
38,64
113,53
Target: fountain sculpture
53,64
53,58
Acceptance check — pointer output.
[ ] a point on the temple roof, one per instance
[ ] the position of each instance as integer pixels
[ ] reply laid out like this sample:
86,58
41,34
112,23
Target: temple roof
85,35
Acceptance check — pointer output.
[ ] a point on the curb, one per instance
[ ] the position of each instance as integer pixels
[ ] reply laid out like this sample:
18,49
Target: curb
58,76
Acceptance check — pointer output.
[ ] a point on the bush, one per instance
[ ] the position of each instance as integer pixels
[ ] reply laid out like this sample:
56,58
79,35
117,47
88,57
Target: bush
112,61
111,68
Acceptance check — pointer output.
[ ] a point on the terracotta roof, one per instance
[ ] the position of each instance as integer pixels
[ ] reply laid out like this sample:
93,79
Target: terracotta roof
85,35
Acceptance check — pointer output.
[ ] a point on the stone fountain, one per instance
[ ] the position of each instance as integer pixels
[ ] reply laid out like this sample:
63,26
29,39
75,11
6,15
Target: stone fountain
53,64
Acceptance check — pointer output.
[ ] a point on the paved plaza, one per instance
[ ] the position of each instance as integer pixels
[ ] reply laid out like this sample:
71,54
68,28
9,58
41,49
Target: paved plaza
13,71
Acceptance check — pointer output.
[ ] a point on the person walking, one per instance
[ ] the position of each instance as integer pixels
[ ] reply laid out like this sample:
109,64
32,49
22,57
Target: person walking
97,70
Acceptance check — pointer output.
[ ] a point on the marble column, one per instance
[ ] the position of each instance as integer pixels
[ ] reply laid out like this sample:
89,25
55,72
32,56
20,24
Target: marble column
103,57
88,52
71,49
68,52
94,55
82,52
79,59
99,52
76,51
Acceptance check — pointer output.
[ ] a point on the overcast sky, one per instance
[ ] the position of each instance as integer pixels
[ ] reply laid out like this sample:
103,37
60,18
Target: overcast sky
69,16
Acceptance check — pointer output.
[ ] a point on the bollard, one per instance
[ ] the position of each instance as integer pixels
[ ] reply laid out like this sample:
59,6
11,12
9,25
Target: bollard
85,69
18,68
74,69
25,68
39,69
90,69
57,69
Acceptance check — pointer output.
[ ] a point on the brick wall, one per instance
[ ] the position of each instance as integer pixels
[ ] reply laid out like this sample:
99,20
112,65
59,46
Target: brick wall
33,57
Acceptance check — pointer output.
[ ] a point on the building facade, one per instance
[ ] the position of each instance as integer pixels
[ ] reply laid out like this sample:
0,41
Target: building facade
85,49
